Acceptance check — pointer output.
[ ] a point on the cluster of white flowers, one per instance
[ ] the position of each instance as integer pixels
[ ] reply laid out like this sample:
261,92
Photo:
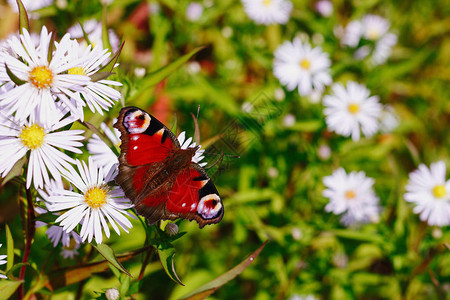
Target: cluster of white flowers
268,11
370,35
45,85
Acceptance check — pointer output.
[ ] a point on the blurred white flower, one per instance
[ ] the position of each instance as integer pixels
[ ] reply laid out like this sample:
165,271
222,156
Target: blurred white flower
289,120
56,234
93,29
352,196
194,11
374,29
272,172
112,294
42,141
302,297
389,119
324,7
279,94
139,72
348,111
297,65
2,262
324,152
94,202
198,157
44,81
428,190
106,2
268,11
193,67
102,155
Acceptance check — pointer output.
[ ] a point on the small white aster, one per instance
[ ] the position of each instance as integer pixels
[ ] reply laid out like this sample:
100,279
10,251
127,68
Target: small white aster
2,262
56,234
428,190
97,94
350,110
93,204
352,196
44,82
93,29
389,119
70,250
38,138
188,144
101,153
298,65
268,11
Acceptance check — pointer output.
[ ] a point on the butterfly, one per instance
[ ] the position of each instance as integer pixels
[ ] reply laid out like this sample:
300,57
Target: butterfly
160,177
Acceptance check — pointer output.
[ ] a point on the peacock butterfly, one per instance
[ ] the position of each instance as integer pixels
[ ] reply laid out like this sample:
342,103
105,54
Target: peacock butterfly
160,177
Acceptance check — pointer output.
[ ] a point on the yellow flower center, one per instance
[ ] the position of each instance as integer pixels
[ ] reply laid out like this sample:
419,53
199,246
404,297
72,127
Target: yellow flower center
305,64
32,136
353,108
95,197
373,34
76,71
267,2
439,191
41,77
350,195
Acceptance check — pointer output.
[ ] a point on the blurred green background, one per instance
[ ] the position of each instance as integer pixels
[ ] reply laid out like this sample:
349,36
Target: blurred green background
273,191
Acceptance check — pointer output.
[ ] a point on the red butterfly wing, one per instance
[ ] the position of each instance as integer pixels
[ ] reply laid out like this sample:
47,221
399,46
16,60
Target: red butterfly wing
192,196
159,177
145,144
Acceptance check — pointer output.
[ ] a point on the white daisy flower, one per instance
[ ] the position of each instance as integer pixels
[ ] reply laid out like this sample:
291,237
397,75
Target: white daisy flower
352,33
352,196
298,65
428,190
44,81
30,6
93,29
194,11
268,11
352,110
187,144
101,153
374,27
97,94
93,205
38,138
2,262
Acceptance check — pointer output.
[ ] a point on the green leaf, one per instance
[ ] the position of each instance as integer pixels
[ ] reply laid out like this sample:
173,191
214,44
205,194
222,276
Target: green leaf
209,288
105,33
157,76
15,171
112,62
100,76
9,248
166,255
108,254
13,77
8,287
23,17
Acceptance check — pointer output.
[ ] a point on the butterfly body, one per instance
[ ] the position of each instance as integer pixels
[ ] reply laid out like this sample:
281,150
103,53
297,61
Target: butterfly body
160,177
